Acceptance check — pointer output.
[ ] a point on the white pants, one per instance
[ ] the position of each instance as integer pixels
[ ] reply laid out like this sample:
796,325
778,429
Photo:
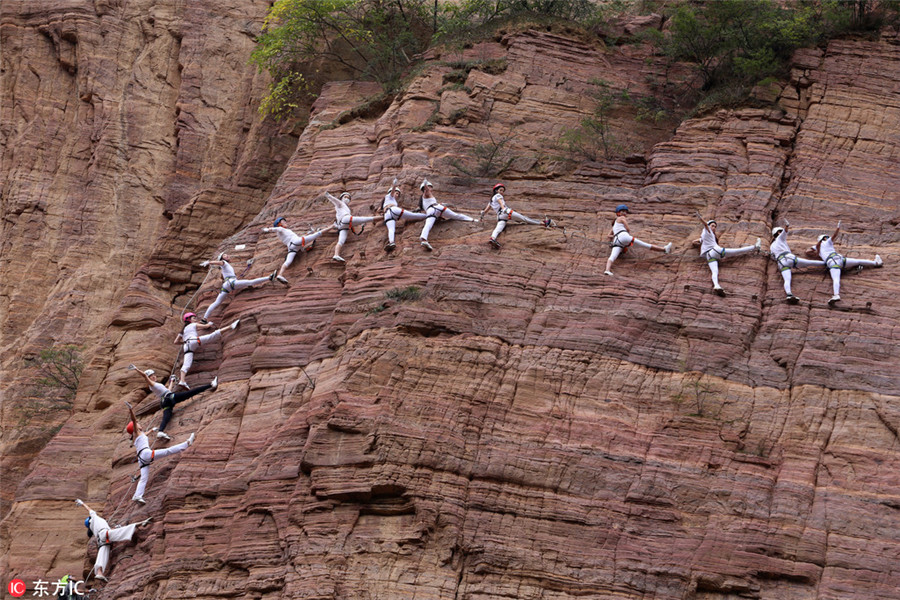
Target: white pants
504,216
145,469
193,345
308,241
714,255
345,225
232,285
788,261
393,214
105,536
622,241
837,262
439,211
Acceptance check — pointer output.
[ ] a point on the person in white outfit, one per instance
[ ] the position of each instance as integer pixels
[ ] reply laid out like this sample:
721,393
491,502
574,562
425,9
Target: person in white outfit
712,252
344,221
435,211
145,455
99,528
393,213
168,399
621,239
294,243
504,214
787,260
836,262
191,340
231,283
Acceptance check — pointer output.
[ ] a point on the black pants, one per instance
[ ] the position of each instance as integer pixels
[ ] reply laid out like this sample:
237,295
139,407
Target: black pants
172,398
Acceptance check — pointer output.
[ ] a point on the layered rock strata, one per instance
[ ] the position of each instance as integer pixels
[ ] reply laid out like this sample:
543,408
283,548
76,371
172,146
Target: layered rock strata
528,427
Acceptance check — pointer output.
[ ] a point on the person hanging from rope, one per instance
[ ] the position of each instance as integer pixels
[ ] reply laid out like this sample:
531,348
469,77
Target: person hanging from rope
145,455
294,243
168,399
435,211
344,221
231,283
504,214
621,239
836,262
712,252
393,213
786,260
97,527
191,340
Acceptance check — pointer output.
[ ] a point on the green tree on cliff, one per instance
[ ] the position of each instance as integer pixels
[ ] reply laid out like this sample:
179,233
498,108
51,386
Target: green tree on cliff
362,39
739,42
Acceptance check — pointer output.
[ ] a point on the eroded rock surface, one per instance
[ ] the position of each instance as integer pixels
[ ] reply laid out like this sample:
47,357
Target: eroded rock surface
528,427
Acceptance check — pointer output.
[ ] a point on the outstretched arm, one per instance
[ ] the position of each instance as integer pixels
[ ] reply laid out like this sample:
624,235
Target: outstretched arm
702,222
337,203
836,231
145,376
137,426
80,502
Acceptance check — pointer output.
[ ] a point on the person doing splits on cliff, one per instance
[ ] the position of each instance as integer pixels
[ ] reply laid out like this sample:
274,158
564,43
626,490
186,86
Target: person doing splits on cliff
836,262
435,211
191,340
344,221
231,283
786,260
145,455
168,399
621,239
712,252
504,214
98,528
294,243
393,213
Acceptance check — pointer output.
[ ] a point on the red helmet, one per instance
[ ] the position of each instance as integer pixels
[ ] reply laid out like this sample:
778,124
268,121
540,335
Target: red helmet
498,186
187,317
130,427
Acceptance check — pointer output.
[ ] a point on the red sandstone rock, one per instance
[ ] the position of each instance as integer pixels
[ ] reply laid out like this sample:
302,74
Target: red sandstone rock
528,427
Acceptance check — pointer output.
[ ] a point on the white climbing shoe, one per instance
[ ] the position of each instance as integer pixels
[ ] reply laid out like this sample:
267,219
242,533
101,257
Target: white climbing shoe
235,324
668,248
160,435
718,289
337,258
426,245
758,244
214,383
878,261
139,500
608,273
190,440
834,299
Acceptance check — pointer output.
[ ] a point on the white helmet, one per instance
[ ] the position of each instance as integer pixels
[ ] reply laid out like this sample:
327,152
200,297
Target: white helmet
822,237
347,194
395,186
149,372
711,222
424,183
776,231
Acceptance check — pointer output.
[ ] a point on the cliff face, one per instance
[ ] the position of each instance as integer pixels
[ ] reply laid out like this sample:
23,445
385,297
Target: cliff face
527,428
116,115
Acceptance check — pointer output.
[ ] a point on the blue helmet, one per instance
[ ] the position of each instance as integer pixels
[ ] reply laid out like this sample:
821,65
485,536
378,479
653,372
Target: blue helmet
87,522
622,207
277,221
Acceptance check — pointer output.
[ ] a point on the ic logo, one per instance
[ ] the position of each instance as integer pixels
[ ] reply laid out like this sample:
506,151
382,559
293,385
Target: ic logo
16,588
